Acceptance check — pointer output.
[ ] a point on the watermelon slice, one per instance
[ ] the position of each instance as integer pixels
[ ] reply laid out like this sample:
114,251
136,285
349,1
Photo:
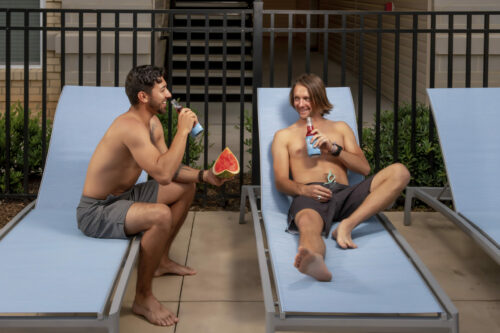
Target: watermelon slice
226,165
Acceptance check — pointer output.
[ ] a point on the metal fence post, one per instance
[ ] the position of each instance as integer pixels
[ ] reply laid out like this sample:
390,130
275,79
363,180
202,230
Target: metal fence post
257,82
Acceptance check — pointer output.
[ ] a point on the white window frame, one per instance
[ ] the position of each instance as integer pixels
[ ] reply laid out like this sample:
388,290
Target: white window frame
37,66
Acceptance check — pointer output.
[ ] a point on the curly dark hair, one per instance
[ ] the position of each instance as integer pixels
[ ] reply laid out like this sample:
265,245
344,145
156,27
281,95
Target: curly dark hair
316,89
142,78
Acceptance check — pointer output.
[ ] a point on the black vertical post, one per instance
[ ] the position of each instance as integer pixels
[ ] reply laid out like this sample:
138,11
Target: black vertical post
63,49
308,43
325,51
152,39
395,138
7,102
206,99
98,51
450,51
117,48
468,51
343,56
432,73
486,48
360,78
224,79
134,39
26,100
170,46
257,82
378,93
224,94
80,48
290,43
271,53
44,88
188,77
414,86
242,97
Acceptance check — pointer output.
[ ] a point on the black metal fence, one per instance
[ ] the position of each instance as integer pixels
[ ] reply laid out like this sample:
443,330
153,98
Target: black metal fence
392,55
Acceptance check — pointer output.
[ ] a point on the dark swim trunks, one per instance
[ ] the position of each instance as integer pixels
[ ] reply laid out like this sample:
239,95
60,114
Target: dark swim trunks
106,218
345,200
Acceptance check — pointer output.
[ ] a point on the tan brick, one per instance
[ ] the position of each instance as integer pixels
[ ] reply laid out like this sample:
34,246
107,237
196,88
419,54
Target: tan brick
16,91
17,74
17,84
53,76
51,90
53,61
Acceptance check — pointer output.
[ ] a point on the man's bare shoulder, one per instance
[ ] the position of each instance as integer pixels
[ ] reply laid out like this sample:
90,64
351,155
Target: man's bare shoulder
127,123
339,125
285,133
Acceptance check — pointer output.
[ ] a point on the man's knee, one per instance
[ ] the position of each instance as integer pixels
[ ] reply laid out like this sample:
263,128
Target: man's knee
401,174
308,220
162,217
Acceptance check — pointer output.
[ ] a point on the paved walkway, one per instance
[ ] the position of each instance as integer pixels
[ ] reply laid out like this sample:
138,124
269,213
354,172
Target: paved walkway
225,295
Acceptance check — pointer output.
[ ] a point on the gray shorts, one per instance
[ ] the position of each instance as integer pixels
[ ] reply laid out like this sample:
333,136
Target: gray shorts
106,218
345,200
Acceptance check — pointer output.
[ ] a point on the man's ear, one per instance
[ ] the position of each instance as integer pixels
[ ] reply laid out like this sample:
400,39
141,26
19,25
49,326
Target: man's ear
143,97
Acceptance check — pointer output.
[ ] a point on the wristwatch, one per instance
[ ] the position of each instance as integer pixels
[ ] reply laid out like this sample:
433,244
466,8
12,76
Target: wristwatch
336,149
200,176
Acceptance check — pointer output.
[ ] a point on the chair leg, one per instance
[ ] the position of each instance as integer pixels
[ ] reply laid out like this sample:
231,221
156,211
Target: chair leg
410,192
244,194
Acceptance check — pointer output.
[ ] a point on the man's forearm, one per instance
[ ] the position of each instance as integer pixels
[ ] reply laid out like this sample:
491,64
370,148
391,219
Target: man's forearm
289,187
354,163
169,162
185,174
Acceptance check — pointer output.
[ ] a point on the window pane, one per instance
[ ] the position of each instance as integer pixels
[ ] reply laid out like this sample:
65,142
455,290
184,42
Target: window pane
17,36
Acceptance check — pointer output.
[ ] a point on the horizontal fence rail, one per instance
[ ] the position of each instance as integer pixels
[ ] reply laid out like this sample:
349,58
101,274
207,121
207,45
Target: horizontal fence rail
219,57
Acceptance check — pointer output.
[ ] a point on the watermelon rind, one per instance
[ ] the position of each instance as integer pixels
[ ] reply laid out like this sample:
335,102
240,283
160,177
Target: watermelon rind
225,173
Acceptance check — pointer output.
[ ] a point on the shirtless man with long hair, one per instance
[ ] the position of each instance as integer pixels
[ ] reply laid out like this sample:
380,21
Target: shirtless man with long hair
317,202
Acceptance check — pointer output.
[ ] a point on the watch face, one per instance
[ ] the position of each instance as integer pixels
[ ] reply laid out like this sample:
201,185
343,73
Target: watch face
336,151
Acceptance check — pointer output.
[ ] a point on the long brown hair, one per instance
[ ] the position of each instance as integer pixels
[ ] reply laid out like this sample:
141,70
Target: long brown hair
316,89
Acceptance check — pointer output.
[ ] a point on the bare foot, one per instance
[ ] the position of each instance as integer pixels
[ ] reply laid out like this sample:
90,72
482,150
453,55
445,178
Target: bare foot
312,264
171,267
343,236
153,311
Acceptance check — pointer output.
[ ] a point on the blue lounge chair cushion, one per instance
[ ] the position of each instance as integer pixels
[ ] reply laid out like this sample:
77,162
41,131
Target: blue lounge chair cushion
48,265
467,122
373,279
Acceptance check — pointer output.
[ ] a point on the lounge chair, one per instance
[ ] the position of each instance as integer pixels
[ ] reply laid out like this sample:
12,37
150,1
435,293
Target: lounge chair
380,287
467,121
53,276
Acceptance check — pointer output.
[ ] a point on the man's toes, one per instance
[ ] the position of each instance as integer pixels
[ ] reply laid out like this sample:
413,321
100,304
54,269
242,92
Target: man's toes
341,243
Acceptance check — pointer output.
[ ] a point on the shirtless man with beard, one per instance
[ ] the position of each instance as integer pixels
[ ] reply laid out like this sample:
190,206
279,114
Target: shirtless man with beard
114,206
316,201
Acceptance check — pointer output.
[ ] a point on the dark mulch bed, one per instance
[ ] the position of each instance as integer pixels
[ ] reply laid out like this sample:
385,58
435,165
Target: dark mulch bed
214,199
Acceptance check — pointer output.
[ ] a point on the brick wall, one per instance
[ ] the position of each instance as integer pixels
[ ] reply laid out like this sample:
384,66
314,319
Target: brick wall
35,77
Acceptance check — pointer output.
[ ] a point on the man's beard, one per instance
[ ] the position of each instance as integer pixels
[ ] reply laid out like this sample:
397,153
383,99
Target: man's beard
159,107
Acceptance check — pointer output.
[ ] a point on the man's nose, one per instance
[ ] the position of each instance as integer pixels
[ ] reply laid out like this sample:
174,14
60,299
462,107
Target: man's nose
168,94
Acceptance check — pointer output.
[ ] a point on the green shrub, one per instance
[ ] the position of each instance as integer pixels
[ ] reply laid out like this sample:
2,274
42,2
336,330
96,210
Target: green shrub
195,145
248,127
35,166
426,164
